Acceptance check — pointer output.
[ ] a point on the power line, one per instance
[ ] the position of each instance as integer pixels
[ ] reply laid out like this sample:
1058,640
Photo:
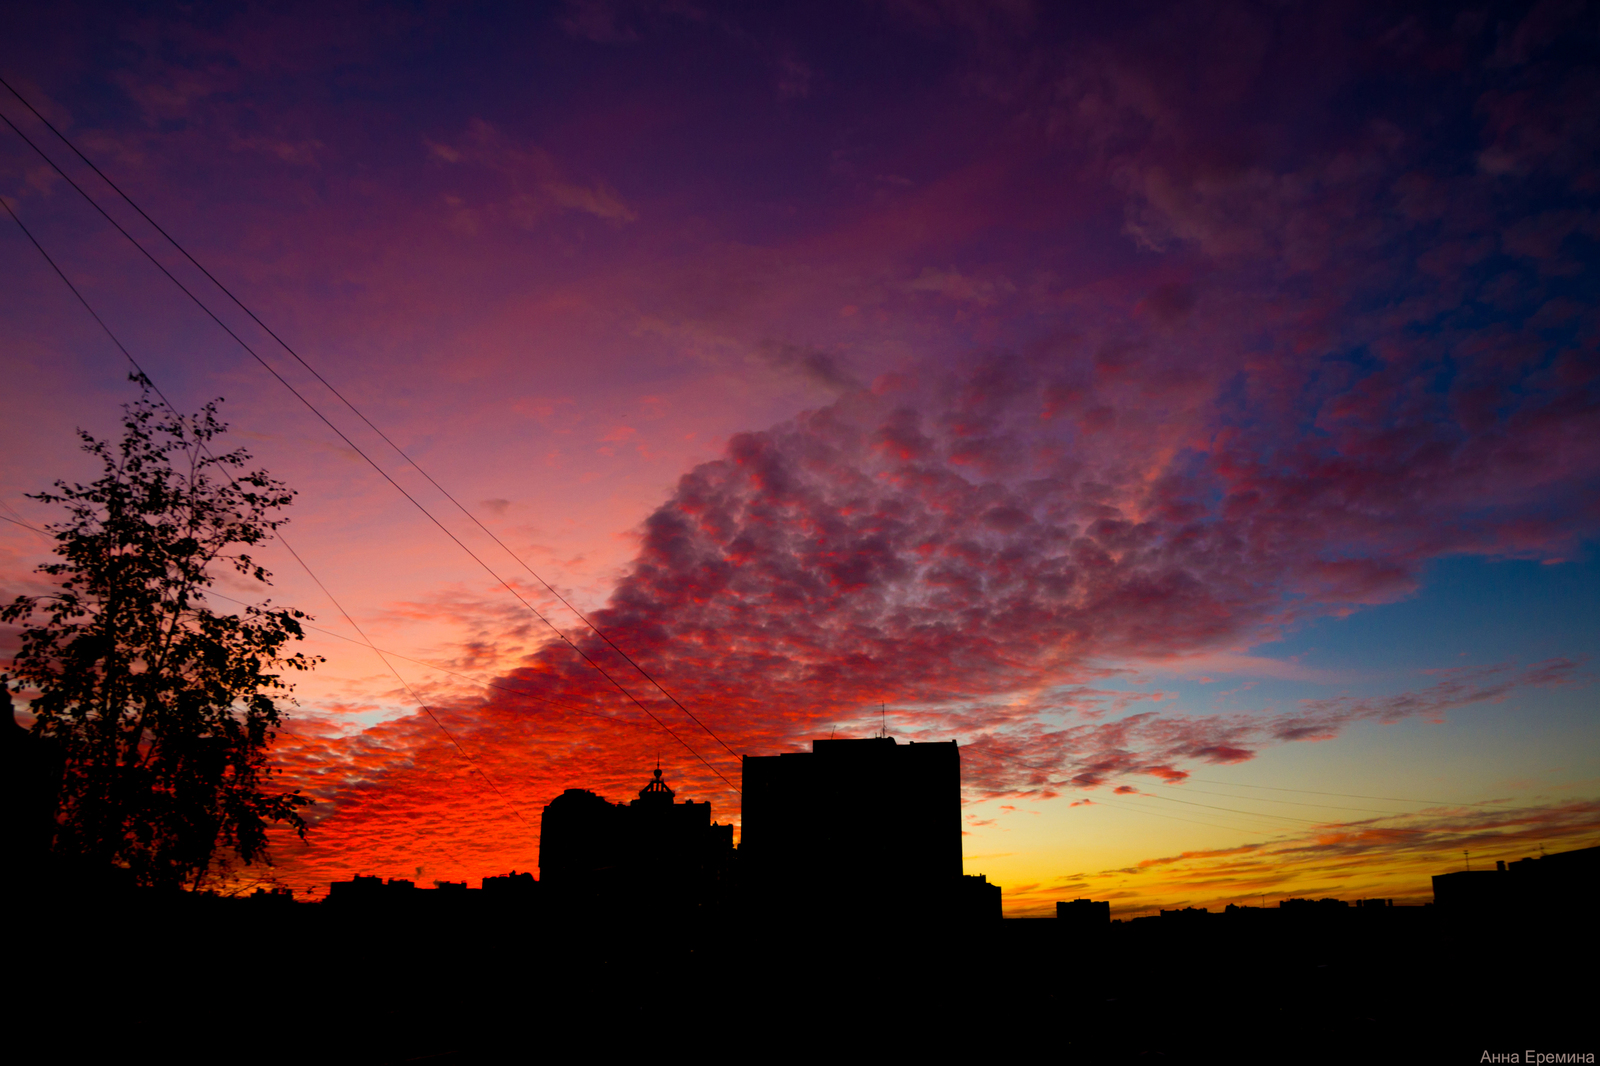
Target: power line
1296,803
145,379
407,685
1174,817
352,445
356,411
24,525
18,514
1234,810
1351,795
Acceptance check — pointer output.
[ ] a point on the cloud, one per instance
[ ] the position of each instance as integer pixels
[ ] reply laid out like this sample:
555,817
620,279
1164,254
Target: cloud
954,285
1255,666
601,21
1322,719
825,368
536,184
951,536
967,16
794,79
970,543
301,153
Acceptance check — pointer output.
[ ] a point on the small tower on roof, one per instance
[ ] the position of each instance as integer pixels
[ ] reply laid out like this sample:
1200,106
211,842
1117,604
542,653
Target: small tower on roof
656,791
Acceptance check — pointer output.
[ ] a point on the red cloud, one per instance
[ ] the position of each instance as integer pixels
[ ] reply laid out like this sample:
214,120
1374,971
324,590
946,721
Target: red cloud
991,556
812,573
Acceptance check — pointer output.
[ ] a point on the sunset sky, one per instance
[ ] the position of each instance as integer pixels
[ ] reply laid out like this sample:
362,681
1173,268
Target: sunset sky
1192,409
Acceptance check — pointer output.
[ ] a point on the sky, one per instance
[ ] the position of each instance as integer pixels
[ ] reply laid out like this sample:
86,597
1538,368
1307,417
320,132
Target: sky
1191,409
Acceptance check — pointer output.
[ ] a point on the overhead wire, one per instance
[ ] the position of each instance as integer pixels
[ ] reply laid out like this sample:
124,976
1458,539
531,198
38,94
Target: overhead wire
146,379
406,684
1235,810
1296,803
354,447
1157,814
1174,817
1268,817
1352,795
24,525
357,412
18,515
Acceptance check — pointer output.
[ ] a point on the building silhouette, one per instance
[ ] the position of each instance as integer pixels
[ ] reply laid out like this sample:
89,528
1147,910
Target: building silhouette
858,829
512,887
367,889
1084,917
653,856
1513,886
977,900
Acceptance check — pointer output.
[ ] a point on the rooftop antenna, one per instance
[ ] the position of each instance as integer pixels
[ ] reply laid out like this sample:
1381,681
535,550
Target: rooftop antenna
883,721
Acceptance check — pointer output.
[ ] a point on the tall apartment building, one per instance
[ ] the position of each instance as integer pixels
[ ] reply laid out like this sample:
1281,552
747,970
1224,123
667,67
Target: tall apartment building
855,829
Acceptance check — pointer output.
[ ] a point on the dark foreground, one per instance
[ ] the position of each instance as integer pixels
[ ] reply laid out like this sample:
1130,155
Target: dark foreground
197,979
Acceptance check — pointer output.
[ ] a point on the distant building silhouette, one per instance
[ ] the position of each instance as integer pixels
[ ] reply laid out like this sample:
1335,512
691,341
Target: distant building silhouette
1317,911
651,854
513,893
1511,887
367,890
512,886
1084,916
1472,889
978,900
278,896
858,829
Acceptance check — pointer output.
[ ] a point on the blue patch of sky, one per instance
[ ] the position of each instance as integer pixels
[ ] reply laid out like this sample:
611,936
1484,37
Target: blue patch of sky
1470,612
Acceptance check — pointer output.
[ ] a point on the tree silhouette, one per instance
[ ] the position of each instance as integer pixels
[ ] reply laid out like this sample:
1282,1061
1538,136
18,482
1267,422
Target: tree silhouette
163,709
